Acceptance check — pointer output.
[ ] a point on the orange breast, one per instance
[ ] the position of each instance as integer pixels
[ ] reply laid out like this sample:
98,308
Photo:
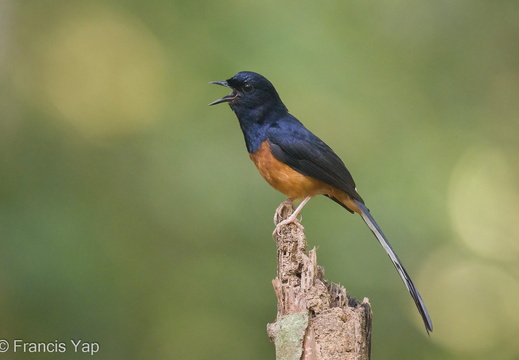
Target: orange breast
292,183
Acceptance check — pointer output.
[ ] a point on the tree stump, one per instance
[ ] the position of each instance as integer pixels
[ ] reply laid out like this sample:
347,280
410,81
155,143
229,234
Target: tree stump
316,320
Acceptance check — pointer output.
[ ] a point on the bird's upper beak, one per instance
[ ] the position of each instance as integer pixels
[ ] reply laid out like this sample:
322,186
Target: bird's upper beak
233,95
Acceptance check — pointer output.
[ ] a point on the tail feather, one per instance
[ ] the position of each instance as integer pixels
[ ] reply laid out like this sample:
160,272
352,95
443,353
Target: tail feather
373,226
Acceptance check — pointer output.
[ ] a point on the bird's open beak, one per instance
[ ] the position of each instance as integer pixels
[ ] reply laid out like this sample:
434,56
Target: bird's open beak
233,95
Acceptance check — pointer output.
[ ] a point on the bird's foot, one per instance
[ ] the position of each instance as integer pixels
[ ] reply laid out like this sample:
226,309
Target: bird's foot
280,219
292,219
285,206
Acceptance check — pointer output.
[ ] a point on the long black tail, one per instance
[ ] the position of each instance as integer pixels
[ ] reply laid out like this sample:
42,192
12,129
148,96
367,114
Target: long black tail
373,226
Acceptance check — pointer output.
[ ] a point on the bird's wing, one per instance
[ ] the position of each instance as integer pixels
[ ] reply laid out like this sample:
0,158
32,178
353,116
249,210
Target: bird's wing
294,145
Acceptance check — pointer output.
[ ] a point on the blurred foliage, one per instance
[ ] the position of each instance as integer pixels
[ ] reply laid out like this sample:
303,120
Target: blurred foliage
131,215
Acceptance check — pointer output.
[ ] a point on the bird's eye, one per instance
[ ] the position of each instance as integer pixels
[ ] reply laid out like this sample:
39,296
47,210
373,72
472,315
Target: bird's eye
247,88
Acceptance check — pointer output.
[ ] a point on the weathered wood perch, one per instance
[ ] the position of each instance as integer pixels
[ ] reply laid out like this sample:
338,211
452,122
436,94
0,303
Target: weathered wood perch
316,320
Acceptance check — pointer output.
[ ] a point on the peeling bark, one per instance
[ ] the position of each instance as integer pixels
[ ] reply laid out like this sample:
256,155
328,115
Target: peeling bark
316,320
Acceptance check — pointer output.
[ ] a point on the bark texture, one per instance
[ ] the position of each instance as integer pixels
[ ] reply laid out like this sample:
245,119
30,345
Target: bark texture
316,320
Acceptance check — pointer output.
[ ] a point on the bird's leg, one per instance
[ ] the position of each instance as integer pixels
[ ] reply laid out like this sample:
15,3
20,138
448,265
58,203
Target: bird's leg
278,216
292,218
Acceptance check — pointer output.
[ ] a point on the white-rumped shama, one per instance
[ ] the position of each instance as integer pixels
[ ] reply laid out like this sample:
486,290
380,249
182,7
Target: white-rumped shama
296,162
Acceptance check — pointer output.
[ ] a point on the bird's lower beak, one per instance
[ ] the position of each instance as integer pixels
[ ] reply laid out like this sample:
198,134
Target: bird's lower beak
227,98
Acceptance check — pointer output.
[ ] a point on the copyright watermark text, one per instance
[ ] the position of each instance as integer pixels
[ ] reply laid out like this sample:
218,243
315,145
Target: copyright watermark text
56,346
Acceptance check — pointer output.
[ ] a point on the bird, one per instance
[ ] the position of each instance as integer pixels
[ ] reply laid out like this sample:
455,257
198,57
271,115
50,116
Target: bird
297,163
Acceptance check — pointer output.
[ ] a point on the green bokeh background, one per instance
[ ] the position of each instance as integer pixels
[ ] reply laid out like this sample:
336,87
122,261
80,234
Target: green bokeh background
130,214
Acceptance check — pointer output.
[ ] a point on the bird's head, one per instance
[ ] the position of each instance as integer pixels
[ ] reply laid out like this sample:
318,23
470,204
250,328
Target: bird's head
249,91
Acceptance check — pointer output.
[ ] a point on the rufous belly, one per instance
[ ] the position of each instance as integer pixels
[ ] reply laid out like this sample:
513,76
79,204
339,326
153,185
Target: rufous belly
292,183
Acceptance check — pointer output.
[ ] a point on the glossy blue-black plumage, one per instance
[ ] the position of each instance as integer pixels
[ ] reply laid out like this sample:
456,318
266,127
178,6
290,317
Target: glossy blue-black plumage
264,119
